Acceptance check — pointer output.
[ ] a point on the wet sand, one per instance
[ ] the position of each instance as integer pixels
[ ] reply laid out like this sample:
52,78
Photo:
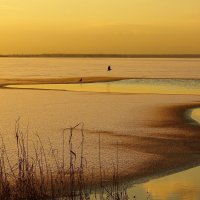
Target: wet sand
125,86
160,153
153,134
67,80
178,149
154,138
74,80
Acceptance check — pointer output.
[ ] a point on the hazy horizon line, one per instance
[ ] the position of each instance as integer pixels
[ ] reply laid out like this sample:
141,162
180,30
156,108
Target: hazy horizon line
63,55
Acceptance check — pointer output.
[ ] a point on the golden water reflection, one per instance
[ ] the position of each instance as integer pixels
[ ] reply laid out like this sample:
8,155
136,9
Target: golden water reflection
154,86
195,114
180,186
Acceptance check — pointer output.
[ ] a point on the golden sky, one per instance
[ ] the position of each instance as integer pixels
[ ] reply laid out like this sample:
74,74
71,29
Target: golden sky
99,26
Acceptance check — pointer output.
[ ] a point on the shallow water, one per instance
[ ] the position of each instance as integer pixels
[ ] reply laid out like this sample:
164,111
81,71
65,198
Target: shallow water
179,186
195,114
130,86
79,67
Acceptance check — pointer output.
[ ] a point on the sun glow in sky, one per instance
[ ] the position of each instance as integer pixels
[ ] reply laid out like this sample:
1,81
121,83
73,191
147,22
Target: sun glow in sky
99,26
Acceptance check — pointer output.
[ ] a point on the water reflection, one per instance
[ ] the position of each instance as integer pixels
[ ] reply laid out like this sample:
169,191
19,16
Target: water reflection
195,114
180,186
140,86
108,86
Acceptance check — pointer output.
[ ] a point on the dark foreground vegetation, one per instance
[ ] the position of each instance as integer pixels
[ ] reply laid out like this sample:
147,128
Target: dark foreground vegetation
32,177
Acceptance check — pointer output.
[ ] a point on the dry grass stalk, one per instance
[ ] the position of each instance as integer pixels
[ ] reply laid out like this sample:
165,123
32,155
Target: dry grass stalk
33,178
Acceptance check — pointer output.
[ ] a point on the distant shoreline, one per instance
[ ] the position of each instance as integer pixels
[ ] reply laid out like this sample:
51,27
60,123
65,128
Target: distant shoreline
100,56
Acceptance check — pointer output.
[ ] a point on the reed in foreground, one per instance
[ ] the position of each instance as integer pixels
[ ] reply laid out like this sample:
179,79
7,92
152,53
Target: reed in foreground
34,177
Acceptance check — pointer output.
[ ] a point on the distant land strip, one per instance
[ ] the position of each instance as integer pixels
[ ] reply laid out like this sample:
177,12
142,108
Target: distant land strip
101,56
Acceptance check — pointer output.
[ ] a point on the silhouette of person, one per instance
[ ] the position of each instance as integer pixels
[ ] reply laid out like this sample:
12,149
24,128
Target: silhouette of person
109,68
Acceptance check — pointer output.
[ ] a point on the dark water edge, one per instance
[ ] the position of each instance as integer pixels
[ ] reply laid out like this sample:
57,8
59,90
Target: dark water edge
55,55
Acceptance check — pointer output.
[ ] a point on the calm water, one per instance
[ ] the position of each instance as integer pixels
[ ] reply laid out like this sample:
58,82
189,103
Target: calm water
180,186
50,111
195,114
129,86
70,67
